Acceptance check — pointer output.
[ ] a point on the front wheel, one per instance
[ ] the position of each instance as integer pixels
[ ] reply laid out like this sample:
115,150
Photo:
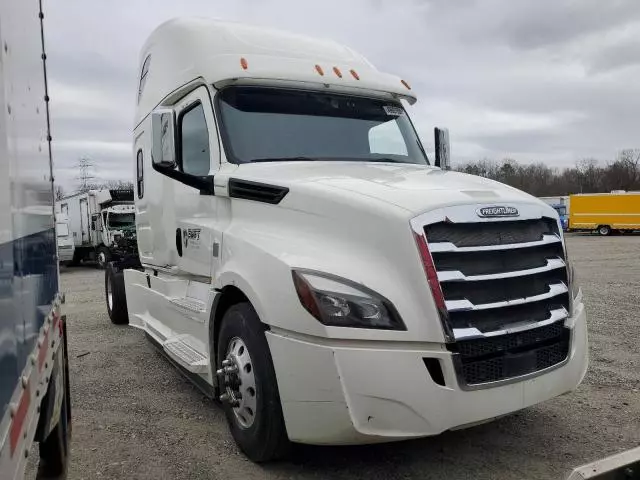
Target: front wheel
104,257
604,230
115,295
248,385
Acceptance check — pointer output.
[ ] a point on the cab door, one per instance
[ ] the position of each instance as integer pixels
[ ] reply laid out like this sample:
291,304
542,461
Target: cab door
197,154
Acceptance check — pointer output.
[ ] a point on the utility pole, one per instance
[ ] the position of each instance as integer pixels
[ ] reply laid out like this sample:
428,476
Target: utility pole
85,166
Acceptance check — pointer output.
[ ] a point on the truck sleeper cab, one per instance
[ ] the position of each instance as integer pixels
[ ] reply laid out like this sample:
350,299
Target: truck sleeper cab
302,260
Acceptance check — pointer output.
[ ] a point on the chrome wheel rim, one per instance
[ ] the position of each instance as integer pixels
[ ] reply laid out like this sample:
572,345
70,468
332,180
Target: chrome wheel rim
109,294
241,383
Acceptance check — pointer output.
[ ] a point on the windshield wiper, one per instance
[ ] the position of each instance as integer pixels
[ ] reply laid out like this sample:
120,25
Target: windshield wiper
386,160
285,159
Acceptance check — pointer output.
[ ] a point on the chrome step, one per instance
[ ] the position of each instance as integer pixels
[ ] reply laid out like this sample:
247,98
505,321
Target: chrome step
186,355
190,304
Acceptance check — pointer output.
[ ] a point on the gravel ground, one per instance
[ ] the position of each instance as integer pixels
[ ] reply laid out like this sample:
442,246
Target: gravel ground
136,417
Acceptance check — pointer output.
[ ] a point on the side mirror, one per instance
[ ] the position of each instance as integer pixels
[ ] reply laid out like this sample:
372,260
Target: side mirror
443,152
163,127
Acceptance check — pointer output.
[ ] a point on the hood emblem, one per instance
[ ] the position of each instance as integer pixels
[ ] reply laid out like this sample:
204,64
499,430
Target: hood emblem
497,211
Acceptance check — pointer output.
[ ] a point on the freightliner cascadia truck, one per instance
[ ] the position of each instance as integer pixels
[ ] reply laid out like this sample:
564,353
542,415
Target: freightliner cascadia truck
302,259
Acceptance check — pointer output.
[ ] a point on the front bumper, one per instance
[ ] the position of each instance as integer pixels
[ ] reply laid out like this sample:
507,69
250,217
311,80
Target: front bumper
366,392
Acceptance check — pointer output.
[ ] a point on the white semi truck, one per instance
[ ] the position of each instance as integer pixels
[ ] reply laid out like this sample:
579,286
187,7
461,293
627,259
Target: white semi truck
34,387
101,224
302,260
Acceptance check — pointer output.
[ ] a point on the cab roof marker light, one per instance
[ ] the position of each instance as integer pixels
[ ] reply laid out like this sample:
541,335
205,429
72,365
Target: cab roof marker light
405,84
337,71
319,70
354,74
243,63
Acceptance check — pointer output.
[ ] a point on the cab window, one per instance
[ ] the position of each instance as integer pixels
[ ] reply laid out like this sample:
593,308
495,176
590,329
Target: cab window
194,142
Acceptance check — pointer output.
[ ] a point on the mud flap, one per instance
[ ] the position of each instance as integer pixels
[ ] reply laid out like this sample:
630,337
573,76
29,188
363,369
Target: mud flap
54,426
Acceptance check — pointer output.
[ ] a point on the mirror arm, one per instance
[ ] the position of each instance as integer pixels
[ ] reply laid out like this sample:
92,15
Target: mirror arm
204,184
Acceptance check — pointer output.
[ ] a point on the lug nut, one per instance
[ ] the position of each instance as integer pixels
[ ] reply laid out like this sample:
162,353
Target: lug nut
220,372
230,370
226,363
224,397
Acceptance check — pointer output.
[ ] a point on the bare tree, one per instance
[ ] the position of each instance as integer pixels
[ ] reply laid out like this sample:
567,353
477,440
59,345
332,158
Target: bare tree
112,185
586,177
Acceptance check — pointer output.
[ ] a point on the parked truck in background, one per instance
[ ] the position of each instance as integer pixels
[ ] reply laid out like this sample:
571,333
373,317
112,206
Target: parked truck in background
561,205
605,213
101,224
34,387
66,246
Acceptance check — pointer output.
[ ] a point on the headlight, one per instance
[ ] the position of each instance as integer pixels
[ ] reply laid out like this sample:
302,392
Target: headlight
340,303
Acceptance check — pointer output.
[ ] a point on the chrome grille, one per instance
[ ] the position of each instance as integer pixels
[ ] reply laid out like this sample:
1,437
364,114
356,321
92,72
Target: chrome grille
500,279
489,287
490,233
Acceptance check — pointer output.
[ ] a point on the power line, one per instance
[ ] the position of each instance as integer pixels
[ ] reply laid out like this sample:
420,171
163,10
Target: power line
85,167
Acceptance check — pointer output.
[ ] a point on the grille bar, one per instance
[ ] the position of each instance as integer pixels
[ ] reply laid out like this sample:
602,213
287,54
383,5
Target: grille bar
449,276
480,234
470,333
439,247
464,305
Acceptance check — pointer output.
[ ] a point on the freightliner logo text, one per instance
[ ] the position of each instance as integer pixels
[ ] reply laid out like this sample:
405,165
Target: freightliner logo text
498,211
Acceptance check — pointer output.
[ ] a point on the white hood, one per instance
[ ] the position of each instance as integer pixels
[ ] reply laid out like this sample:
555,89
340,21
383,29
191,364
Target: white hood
415,188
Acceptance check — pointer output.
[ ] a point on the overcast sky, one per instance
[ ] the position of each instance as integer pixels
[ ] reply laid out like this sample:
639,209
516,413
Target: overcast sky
552,81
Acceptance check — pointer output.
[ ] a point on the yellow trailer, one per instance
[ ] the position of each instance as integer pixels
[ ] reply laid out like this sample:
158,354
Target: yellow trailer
605,212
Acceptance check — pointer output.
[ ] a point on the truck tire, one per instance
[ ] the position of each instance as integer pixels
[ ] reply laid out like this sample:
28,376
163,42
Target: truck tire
103,256
54,450
604,230
115,295
256,423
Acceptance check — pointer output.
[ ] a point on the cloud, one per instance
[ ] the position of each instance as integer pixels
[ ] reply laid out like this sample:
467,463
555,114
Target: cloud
554,81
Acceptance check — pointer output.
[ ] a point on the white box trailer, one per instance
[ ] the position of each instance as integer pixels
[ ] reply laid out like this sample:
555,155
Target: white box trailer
34,388
101,224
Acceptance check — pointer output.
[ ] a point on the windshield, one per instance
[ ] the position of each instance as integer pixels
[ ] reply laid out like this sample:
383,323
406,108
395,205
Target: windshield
269,124
62,229
562,210
120,220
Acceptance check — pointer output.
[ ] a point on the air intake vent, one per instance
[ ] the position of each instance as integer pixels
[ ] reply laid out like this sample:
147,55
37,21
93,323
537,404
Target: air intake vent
258,192
121,195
